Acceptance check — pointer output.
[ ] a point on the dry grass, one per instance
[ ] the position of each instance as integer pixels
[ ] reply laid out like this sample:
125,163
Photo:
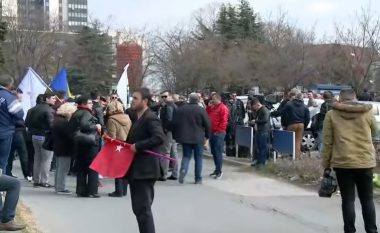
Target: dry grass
306,171
24,216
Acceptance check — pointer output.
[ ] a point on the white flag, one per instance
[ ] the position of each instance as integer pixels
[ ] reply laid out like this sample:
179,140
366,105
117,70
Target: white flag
31,85
122,87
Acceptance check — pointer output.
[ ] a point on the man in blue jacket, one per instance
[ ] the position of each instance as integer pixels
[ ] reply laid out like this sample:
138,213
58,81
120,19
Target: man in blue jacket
10,112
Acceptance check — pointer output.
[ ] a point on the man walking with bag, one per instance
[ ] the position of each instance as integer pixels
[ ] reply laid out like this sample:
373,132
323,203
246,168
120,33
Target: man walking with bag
347,148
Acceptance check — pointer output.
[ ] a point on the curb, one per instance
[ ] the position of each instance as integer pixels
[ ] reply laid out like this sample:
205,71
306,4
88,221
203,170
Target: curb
227,160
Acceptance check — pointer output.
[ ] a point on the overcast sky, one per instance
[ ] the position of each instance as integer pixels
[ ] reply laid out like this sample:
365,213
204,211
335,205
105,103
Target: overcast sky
166,13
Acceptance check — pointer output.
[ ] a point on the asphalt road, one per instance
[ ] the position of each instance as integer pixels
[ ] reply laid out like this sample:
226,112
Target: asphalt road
242,202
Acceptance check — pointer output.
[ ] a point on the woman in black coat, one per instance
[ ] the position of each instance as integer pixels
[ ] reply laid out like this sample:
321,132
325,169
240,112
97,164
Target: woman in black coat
86,131
63,145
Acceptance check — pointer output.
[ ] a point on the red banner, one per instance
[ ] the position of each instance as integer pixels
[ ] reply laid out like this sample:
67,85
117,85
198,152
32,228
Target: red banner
114,160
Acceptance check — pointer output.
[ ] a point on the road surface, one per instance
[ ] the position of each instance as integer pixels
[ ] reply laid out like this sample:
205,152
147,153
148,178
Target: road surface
242,202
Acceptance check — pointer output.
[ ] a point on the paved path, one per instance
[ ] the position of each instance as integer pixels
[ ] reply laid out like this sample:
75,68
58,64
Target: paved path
241,202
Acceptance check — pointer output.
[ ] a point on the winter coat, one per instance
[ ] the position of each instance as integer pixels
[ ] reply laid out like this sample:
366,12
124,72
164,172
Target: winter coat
263,120
118,126
63,140
10,112
218,116
347,136
39,119
295,112
191,125
83,121
325,107
147,134
167,113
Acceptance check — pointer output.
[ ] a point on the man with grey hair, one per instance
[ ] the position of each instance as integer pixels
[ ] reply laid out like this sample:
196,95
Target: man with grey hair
192,118
295,117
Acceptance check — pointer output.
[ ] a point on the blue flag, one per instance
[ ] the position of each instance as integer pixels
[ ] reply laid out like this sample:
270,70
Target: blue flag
60,83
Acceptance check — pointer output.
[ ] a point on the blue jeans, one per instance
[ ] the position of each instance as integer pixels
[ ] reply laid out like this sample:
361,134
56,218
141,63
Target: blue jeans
188,150
262,147
5,149
12,187
217,146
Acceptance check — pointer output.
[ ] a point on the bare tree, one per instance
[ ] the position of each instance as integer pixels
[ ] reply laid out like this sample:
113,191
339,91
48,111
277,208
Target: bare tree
360,44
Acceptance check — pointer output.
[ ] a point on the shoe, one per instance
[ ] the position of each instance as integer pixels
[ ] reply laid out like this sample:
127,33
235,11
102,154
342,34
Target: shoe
213,174
29,179
64,192
46,185
94,196
115,194
36,185
162,179
172,178
219,176
198,182
181,179
82,195
11,226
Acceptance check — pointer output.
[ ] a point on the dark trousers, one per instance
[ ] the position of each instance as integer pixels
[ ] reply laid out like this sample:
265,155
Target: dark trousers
19,146
217,146
121,186
30,149
362,179
188,150
87,179
262,139
142,195
5,149
12,187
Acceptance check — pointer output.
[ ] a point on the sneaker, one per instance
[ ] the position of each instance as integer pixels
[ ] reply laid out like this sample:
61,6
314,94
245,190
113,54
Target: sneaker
46,185
29,179
64,192
11,226
213,174
181,179
219,176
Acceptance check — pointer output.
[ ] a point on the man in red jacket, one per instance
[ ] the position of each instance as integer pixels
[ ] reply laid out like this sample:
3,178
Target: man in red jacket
218,114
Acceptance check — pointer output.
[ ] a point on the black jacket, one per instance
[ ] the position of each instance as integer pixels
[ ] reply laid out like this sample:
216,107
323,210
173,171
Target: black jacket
39,119
263,120
99,114
167,113
147,134
280,108
63,141
295,112
325,107
191,125
82,120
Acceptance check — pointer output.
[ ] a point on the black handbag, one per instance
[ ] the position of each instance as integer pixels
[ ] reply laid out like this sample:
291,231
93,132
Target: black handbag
329,184
85,139
49,142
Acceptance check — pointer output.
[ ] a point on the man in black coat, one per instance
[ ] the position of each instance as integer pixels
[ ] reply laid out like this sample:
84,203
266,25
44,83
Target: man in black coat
192,118
39,122
146,134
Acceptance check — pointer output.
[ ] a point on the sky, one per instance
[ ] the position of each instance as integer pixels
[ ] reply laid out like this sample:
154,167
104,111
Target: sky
323,14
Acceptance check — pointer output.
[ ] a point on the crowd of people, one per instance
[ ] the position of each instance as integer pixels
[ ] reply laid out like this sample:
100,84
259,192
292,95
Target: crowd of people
65,135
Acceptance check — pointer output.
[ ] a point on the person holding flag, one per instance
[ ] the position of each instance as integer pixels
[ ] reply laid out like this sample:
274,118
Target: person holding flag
146,134
118,126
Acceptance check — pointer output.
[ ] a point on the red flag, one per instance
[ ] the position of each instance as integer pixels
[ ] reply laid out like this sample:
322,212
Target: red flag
114,159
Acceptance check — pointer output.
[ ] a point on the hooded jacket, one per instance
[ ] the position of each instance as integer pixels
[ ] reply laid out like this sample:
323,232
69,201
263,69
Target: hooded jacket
118,126
347,136
295,112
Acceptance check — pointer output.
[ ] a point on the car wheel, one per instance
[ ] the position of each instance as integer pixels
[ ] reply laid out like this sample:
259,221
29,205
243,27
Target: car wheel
308,141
